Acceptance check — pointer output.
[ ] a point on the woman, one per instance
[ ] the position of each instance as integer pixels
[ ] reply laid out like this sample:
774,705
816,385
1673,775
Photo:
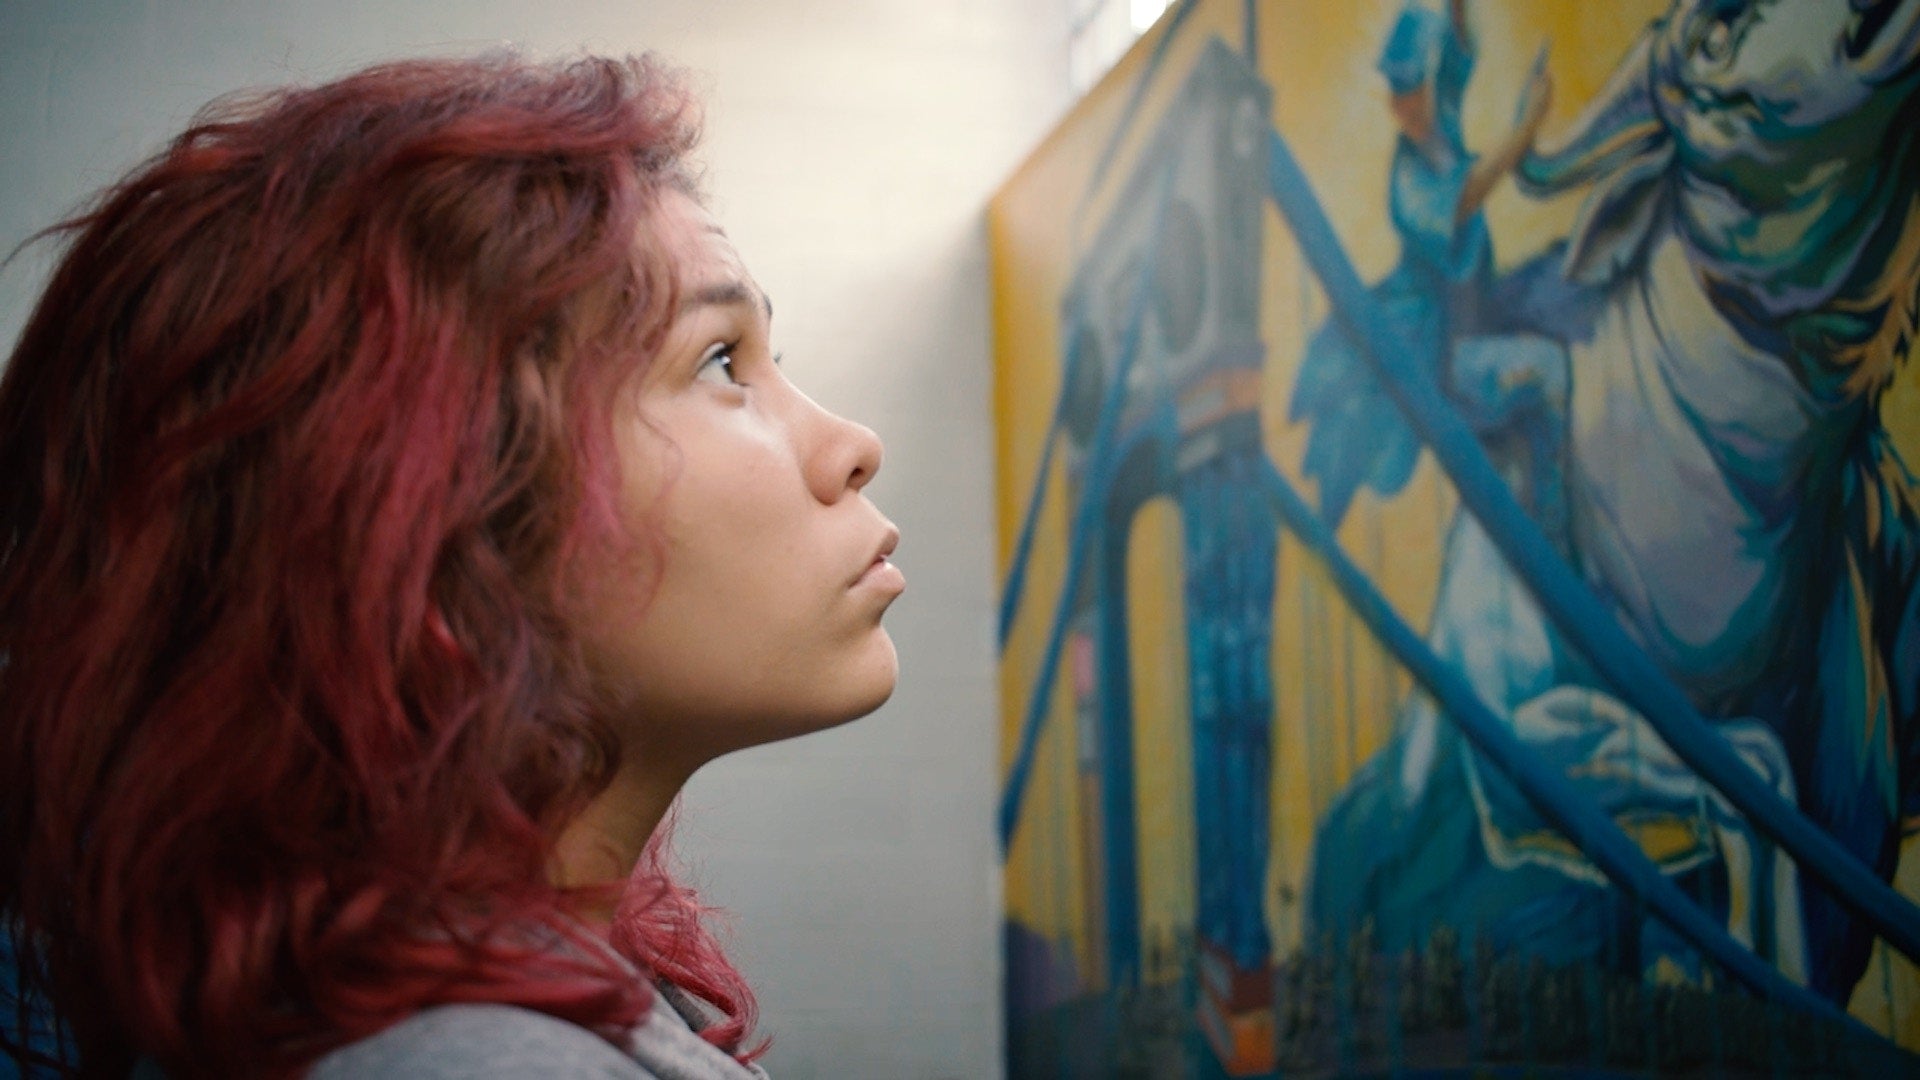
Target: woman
403,499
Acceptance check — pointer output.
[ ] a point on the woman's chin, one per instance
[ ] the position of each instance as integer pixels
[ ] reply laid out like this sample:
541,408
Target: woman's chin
870,684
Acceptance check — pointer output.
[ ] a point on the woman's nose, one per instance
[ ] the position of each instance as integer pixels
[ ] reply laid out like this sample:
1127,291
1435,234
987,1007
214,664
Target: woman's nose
846,455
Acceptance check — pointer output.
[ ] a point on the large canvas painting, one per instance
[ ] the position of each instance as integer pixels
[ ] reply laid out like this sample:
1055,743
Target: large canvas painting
1460,544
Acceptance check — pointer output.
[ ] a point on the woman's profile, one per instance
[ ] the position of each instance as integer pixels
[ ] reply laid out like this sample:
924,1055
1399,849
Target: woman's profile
403,500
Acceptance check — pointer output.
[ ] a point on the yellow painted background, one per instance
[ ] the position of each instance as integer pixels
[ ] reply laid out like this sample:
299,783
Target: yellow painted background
1330,104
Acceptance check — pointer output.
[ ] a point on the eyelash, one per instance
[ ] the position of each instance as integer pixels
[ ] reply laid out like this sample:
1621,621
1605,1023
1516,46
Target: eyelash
723,352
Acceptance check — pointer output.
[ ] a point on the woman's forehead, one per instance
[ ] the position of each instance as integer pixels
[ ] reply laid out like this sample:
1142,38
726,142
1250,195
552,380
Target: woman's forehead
702,251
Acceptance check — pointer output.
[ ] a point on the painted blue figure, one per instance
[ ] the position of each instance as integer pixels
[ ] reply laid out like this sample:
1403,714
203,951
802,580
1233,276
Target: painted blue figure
1734,497
1505,374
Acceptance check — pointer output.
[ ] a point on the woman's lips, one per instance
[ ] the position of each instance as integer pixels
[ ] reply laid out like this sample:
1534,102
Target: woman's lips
883,576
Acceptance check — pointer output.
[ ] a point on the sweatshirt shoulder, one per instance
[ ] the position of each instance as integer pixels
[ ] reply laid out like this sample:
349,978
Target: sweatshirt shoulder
480,1042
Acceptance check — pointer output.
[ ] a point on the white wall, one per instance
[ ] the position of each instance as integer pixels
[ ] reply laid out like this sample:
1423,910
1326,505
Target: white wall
852,145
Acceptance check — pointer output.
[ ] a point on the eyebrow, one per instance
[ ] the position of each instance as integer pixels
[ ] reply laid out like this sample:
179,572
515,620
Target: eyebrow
726,293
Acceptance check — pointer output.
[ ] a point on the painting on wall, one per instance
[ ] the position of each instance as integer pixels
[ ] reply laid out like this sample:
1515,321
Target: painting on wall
1460,543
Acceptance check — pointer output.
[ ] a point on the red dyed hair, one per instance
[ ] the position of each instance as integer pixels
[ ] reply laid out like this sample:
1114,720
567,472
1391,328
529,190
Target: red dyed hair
298,445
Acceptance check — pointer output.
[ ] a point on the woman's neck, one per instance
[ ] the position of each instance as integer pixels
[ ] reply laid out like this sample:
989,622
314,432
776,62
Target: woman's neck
604,843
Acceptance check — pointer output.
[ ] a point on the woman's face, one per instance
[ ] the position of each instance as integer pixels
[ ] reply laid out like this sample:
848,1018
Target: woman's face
746,605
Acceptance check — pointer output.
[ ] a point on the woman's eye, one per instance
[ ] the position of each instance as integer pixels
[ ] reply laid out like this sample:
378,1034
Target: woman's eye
717,366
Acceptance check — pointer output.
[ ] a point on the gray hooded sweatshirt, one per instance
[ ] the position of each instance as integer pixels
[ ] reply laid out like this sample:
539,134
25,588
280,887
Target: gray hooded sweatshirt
495,1042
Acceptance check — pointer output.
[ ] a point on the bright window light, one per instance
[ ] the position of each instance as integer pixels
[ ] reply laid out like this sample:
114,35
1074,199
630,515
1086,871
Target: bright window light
1099,31
1145,12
